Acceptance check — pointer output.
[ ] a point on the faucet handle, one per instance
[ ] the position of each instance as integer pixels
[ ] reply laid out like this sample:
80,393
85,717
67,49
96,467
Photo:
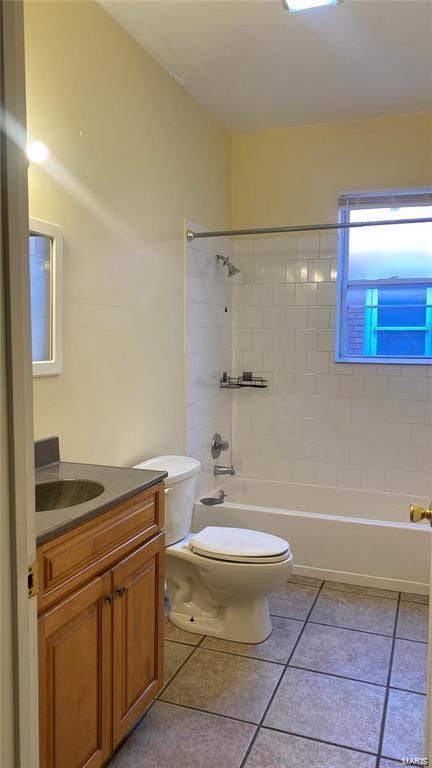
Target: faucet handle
218,445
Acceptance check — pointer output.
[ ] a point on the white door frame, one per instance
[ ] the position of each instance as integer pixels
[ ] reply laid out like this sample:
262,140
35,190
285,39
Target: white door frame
17,378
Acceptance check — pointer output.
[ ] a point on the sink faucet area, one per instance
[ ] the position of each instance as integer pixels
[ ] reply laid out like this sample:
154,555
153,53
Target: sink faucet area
68,493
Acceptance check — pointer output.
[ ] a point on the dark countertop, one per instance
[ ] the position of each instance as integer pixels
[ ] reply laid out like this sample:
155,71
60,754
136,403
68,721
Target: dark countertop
120,484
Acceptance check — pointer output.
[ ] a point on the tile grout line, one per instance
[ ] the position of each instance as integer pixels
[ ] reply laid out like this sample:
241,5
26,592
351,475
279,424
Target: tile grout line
321,741
387,694
207,712
309,669
269,728
355,629
379,597
339,626
298,666
168,682
361,594
277,686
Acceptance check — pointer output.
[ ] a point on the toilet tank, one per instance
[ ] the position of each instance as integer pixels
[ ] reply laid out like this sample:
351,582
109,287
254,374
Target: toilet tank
180,486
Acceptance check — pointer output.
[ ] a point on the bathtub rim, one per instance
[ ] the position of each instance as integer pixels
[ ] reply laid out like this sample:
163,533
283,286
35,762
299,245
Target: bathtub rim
326,574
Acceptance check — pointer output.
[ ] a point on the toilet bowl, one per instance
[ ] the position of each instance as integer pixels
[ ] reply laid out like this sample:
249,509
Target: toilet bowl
219,579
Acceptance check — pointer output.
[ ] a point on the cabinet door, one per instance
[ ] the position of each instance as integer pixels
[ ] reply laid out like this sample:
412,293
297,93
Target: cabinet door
138,616
74,679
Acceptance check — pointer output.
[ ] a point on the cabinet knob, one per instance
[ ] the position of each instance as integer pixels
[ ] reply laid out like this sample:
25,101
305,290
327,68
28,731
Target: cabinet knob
110,599
121,591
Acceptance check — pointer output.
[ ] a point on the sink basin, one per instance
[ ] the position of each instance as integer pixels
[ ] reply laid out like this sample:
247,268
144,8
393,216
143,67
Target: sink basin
57,494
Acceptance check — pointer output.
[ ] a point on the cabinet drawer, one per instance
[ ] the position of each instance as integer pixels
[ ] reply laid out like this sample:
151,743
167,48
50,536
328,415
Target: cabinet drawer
80,554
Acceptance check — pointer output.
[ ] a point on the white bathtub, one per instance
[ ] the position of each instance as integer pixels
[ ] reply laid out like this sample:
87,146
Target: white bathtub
363,537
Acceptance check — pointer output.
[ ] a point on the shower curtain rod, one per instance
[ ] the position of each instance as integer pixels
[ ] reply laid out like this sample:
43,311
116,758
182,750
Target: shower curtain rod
190,235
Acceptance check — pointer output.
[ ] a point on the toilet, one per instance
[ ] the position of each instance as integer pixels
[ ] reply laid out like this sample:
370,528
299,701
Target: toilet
219,579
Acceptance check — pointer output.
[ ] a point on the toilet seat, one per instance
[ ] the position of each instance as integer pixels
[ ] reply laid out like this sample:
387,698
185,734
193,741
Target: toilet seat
239,545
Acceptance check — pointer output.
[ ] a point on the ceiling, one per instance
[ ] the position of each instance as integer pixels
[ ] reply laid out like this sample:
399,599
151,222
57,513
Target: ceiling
255,66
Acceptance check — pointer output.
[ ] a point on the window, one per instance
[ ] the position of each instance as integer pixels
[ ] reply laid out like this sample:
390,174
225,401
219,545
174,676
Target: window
385,279
45,252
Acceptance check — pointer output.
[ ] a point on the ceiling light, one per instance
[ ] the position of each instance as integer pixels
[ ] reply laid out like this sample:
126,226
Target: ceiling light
303,5
37,151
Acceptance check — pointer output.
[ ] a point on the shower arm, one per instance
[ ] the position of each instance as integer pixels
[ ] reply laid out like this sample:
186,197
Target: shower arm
190,235
223,259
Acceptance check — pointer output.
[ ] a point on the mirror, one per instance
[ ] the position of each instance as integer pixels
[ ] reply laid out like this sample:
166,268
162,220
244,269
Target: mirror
46,253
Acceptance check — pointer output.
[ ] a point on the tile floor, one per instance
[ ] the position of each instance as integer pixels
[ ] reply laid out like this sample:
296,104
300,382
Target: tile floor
340,683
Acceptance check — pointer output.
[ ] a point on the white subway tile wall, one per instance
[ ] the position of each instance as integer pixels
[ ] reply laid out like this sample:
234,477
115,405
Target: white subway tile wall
355,426
209,349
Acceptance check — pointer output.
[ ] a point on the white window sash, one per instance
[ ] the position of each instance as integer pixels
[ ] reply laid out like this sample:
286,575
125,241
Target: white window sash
376,199
54,365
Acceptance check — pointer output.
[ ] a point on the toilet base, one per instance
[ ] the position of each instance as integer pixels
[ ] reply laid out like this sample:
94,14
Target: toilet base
245,621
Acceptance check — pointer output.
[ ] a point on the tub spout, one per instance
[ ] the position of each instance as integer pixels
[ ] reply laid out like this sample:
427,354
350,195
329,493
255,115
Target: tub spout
219,470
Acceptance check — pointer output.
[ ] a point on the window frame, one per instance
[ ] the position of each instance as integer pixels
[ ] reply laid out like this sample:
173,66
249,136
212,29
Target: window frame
372,199
53,366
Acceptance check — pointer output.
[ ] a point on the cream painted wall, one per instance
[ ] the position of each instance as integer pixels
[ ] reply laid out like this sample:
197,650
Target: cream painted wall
293,175
147,157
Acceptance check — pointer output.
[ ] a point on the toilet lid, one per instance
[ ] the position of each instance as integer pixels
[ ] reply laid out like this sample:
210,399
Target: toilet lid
178,467
239,545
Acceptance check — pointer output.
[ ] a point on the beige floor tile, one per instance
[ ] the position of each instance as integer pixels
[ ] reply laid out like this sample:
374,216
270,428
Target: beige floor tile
404,733
281,750
356,588
413,622
353,611
344,712
174,656
307,580
276,648
178,635
294,601
409,669
176,737
410,597
224,684
344,652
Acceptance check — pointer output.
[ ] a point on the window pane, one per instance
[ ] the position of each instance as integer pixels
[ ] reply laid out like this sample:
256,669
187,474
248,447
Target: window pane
41,296
402,306
397,343
398,309
399,251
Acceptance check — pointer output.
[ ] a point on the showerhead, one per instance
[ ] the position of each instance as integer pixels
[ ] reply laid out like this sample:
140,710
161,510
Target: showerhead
232,270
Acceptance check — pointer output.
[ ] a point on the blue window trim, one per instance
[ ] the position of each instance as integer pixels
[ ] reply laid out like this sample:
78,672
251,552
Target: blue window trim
343,284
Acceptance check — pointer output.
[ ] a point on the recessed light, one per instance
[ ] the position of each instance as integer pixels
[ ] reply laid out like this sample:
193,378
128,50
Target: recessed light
303,5
37,151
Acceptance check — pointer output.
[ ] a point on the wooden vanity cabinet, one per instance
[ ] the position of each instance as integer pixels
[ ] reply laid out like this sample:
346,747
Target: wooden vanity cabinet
100,644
